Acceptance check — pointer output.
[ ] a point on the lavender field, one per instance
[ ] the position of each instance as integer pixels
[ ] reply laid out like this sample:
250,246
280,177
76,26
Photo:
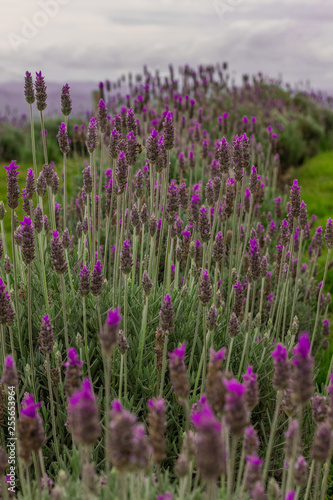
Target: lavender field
164,292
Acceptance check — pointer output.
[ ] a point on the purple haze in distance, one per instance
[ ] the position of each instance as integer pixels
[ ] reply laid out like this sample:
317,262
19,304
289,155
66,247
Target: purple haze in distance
13,104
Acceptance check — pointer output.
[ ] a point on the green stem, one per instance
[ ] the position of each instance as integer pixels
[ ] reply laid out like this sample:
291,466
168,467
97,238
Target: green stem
272,435
15,283
65,192
107,409
33,143
318,302
196,337
165,348
309,483
86,336
54,427
32,359
63,300
143,331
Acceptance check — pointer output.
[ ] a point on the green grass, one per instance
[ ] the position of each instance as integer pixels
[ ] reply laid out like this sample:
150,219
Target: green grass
316,179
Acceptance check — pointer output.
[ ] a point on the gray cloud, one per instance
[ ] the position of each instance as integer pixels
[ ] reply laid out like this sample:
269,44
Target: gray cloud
97,40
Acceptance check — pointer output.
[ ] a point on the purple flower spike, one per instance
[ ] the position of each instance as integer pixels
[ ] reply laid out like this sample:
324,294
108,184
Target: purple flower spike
290,495
281,367
212,457
109,335
73,358
83,418
236,411
179,353
29,407
10,375
302,382
114,318
13,192
251,388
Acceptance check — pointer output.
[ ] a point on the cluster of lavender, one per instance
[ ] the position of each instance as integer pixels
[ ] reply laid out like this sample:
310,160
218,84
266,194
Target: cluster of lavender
181,237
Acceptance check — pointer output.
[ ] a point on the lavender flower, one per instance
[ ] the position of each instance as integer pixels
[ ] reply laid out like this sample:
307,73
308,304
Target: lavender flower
303,371
13,192
157,427
102,120
211,456
63,139
9,375
205,291
28,240
29,93
281,368
73,374
40,92
87,180
31,435
169,131
91,139
152,147
83,418
167,315
236,414
57,254
329,234
251,388
84,282
131,124
204,225
121,172
254,270
322,444
108,336
6,312
30,187
97,279
46,338
66,101
126,261
178,375
128,444
295,199
253,471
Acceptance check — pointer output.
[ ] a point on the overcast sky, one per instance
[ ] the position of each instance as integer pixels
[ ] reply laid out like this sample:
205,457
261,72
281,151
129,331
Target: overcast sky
92,40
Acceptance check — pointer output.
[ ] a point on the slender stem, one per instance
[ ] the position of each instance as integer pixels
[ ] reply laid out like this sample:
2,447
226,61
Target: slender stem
32,358
3,338
229,353
86,335
195,337
15,282
141,251
165,348
41,255
143,332
272,434
54,426
318,303
121,376
65,192
324,483
99,314
33,143
309,483
204,350
125,331
107,409
231,465
63,300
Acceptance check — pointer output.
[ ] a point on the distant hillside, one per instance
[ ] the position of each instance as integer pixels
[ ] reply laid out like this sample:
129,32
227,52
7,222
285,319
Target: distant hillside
13,104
